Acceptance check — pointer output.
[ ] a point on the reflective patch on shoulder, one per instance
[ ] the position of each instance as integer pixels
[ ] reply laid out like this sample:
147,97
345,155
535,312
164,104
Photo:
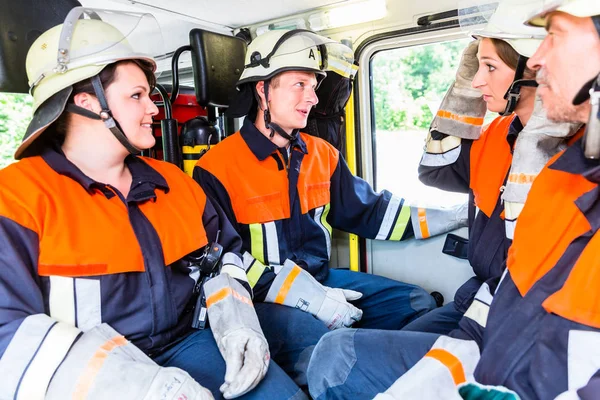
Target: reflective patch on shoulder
583,357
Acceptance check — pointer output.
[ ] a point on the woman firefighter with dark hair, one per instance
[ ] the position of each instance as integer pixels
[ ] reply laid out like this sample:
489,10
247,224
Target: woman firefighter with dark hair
102,249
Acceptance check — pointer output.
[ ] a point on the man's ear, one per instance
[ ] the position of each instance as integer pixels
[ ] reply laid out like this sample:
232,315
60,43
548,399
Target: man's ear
87,101
260,91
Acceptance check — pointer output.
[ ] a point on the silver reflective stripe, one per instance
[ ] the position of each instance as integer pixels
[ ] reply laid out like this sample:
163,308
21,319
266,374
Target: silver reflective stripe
76,301
484,294
88,303
501,279
509,226
247,260
388,219
583,357
480,307
232,265
62,299
439,160
272,243
326,233
21,350
478,312
50,355
35,352
232,258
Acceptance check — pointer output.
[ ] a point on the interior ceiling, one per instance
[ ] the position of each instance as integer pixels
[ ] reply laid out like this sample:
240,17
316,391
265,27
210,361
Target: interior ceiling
233,13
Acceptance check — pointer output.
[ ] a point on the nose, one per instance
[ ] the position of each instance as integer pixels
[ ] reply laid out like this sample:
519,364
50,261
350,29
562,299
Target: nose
151,108
536,61
311,96
478,80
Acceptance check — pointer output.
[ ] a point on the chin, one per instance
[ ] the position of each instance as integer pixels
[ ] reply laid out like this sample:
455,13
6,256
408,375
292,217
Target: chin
145,144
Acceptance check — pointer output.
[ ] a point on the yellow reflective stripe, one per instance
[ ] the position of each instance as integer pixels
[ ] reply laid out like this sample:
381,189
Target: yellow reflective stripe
324,218
401,223
257,242
255,272
341,67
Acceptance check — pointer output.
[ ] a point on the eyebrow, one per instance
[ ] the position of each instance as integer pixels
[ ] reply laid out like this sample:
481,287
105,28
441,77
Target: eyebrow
487,58
144,88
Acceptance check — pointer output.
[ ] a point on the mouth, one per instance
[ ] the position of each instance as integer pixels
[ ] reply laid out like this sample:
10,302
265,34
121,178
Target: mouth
487,97
303,112
146,126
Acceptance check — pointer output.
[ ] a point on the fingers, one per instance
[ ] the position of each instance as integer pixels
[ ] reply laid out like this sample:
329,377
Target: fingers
249,366
351,295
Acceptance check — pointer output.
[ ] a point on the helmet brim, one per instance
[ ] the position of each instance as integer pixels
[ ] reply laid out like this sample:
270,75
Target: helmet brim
276,72
43,117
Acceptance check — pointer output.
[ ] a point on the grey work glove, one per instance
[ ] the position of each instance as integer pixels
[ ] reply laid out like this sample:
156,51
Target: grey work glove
428,222
125,372
295,287
238,334
539,140
463,108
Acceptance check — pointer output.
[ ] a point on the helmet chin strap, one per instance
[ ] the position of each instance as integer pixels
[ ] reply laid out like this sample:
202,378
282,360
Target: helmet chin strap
275,128
513,94
105,115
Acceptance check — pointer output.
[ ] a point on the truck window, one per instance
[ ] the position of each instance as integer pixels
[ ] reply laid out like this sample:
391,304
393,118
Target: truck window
408,86
15,114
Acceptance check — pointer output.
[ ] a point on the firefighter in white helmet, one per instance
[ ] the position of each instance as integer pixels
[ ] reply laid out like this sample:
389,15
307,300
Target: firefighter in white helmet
461,156
102,249
285,190
540,336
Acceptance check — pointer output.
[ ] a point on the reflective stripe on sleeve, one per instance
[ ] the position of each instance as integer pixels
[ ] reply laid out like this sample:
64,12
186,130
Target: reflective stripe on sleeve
451,362
321,220
255,272
388,219
401,223
48,357
232,265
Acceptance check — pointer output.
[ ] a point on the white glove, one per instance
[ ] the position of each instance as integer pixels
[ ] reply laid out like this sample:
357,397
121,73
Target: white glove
431,378
238,334
295,287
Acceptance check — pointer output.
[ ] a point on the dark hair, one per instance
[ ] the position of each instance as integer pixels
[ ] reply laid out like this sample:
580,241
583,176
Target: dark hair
510,57
107,77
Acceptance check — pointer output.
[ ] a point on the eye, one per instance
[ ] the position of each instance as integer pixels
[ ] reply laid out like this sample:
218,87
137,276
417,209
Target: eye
490,67
136,96
300,84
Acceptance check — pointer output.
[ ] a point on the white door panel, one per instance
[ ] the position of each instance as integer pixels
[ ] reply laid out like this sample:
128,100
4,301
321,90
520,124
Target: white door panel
421,262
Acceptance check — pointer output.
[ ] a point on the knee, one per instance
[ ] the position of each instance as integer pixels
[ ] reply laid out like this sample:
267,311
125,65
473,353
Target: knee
331,362
421,301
